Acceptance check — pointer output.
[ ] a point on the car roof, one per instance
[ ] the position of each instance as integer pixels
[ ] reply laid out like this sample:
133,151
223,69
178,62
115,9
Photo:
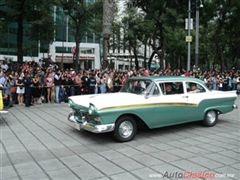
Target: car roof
168,78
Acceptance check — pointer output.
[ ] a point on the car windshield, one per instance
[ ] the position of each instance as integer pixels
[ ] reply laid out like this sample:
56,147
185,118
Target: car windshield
136,86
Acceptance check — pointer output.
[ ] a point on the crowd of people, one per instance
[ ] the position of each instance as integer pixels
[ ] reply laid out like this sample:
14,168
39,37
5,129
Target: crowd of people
30,83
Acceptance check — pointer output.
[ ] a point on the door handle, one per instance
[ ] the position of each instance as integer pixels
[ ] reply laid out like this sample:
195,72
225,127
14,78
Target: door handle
185,96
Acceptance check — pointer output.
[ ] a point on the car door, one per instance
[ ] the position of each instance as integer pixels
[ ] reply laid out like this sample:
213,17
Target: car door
196,93
171,105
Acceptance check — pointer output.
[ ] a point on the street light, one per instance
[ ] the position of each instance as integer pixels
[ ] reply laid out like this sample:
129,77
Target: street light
62,46
189,34
197,33
64,24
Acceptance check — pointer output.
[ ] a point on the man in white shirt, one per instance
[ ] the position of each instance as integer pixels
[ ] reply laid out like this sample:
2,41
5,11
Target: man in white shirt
4,67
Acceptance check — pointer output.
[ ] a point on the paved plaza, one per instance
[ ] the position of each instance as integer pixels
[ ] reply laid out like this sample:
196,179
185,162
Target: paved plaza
39,143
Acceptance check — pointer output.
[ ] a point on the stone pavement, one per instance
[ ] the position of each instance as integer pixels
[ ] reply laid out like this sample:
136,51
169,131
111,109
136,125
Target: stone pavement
39,143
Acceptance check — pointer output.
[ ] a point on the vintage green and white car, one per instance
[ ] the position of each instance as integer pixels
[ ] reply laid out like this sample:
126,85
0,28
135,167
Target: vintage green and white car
151,101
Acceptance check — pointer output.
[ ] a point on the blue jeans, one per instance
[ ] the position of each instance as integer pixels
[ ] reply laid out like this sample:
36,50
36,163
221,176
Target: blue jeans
57,89
61,94
103,88
72,91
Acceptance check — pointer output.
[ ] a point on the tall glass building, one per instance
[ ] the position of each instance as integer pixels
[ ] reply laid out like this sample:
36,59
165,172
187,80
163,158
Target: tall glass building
60,50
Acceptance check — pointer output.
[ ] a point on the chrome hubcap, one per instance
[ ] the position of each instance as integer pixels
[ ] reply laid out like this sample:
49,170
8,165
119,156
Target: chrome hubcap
211,116
126,129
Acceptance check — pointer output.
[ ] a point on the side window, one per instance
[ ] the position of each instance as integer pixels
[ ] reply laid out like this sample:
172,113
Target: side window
138,86
194,88
178,87
154,90
171,88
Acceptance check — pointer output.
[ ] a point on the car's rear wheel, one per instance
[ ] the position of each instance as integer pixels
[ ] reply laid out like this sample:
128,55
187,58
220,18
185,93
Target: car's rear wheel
125,129
211,118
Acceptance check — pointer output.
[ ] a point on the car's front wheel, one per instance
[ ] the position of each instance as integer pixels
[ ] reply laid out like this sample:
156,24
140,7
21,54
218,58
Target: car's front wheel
211,118
125,129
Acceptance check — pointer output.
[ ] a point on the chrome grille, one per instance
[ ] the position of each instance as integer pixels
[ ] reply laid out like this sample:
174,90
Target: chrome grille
87,116
83,115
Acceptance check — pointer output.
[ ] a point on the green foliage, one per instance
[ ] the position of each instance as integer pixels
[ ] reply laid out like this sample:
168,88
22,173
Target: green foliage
156,23
33,19
219,30
82,19
95,23
81,14
42,25
137,30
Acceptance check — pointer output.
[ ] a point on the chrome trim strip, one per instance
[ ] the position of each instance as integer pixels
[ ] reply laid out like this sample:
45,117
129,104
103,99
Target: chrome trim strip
151,104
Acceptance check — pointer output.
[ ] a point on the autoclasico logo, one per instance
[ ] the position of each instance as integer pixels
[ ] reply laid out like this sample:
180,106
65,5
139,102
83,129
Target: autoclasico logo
190,175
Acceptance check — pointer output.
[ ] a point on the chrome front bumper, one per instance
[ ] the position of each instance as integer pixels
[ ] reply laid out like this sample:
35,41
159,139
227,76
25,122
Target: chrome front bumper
89,126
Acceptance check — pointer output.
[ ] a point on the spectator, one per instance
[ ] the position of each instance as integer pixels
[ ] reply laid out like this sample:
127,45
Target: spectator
238,84
4,66
103,84
20,89
91,84
7,95
2,79
71,80
57,83
36,89
84,80
27,81
49,83
78,84
110,82
50,87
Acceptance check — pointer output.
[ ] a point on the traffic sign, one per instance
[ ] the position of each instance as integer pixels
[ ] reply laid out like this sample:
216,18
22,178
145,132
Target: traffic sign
186,24
188,38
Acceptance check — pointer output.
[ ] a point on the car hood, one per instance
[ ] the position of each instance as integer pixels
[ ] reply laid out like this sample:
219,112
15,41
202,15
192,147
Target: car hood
101,101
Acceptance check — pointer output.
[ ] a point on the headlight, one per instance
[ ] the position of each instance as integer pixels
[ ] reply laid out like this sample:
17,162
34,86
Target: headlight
91,109
70,103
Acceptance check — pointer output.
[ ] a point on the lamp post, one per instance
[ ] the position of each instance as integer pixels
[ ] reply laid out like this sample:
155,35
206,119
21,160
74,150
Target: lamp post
189,34
64,27
197,33
62,46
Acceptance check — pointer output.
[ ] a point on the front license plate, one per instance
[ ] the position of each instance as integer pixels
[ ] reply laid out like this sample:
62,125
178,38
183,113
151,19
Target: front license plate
77,126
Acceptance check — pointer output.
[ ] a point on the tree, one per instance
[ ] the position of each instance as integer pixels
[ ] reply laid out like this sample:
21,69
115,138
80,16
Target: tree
137,32
81,14
233,31
220,30
174,35
26,11
154,11
96,23
227,32
219,39
43,29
